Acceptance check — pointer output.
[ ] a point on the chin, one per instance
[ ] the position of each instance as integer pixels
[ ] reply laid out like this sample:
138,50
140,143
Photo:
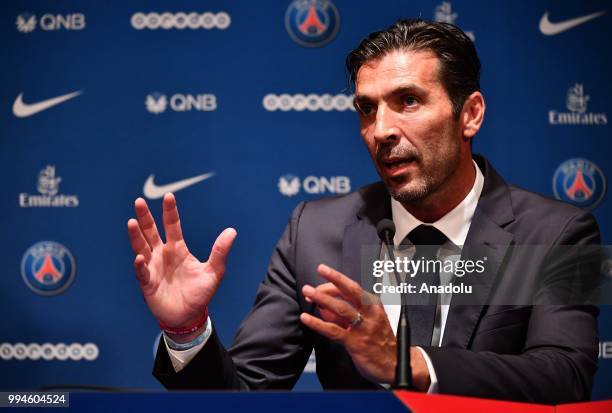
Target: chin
406,192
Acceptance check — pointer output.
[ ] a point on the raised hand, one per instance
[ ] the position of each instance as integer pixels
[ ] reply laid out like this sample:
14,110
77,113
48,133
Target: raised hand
176,285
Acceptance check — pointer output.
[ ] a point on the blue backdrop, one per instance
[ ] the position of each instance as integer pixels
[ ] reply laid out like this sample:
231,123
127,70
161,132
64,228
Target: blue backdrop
97,97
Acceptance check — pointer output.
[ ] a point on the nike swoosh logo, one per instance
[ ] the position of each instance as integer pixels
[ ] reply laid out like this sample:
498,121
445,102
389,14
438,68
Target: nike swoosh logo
23,110
153,191
550,29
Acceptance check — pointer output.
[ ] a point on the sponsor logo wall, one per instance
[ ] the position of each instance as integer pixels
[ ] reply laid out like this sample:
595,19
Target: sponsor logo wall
291,185
580,182
312,23
180,21
48,268
577,114
243,110
24,110
311,102
157,103
27,22
605,350
48,187
48,351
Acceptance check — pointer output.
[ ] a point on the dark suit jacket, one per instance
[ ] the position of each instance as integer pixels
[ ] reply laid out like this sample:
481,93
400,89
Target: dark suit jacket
543,354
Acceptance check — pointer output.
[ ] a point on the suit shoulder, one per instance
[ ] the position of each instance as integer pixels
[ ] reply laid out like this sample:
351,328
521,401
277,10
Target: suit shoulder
525,202
548,218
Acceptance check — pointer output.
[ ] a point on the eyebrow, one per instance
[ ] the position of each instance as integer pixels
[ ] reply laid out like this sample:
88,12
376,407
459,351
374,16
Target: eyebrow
399,90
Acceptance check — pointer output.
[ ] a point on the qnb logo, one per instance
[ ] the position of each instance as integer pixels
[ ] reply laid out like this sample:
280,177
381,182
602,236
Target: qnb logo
605,349
48,351
48,187
312,102
444,14
27,22
157,103
194,21
290,185
576,101
580,182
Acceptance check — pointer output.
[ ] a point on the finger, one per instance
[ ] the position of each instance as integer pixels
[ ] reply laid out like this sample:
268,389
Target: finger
349,288
137,240
332,290
332,317
336,305
142,272
329,330
147,223
172,222
327,288
221,249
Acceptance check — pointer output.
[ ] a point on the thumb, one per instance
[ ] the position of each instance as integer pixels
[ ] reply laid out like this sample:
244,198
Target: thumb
221,249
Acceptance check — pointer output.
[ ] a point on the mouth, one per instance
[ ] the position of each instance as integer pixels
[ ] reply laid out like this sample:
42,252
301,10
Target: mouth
394,166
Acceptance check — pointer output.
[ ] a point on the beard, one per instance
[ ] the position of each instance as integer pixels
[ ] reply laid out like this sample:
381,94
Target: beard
432,172
413,193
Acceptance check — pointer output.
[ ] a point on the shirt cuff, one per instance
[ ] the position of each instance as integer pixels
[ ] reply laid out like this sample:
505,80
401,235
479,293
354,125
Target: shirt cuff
180,358
433,385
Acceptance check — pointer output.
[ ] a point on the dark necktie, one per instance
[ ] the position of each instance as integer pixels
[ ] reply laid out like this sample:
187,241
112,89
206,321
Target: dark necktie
423,309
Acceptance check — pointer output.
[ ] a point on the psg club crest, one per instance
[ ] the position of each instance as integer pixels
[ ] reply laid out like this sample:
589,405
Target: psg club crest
48,268
312,23
579,182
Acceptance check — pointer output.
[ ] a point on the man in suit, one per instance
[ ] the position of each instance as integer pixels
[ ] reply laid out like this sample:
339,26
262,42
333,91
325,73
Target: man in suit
418,97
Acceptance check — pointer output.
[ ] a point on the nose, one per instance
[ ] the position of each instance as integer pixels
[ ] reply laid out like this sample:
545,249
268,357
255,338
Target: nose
385,128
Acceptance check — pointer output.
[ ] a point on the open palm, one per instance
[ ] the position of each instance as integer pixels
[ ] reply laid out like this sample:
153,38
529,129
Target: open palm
176,285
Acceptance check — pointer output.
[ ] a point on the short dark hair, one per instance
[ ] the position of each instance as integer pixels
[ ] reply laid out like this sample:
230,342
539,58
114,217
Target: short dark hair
459,70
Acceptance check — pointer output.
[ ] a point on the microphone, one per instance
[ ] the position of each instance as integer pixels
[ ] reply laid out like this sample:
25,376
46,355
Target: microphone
403,371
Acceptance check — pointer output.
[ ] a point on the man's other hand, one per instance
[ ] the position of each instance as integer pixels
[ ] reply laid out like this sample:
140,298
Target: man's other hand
176,285
358,321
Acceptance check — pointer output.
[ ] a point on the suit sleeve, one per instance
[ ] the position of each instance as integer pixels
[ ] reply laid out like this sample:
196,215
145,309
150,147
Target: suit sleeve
557,362
270,348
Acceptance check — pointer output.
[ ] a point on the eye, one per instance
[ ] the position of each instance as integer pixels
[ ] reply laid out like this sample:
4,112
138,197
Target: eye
410,100
365,109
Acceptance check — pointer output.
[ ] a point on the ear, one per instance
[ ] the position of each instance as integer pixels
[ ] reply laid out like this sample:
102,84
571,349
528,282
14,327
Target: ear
472,115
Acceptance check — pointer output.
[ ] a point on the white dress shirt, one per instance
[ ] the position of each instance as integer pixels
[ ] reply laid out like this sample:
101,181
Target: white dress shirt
454,225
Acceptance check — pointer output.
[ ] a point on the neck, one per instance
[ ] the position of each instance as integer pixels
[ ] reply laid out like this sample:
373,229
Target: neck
447,197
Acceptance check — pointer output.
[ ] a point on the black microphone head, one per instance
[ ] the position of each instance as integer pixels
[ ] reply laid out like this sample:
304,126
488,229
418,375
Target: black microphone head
384,227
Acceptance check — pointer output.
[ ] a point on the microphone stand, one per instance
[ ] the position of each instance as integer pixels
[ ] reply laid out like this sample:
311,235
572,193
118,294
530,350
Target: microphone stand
403,371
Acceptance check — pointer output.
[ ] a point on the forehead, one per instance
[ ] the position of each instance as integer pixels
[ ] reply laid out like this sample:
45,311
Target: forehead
396,68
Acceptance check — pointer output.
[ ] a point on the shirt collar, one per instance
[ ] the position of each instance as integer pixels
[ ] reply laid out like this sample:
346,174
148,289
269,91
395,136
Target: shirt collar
454,225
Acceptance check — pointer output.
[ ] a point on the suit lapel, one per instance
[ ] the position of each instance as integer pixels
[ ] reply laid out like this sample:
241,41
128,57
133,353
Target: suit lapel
361,245
360,248
486,237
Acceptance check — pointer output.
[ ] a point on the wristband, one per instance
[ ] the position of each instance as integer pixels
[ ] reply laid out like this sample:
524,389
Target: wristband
181,331
202,338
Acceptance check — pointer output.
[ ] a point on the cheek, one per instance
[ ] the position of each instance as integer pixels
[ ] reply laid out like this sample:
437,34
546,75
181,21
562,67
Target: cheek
440,135
371,145
365,127
368,139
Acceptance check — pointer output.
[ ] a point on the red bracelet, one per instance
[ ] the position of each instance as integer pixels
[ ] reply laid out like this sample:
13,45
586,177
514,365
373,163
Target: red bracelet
186,330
